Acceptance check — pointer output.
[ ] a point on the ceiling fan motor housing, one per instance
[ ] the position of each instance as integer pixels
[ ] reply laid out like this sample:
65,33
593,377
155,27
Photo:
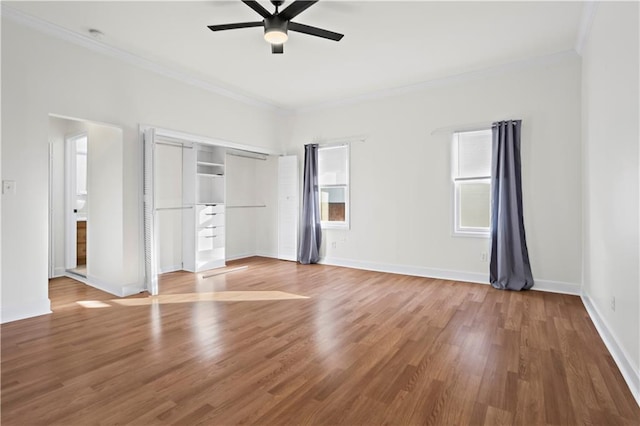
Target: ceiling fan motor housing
275,24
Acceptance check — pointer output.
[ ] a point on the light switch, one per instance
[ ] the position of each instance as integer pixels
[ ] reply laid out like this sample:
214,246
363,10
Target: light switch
8,186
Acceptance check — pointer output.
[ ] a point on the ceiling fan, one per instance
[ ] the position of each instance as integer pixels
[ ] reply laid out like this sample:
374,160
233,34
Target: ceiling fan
276,25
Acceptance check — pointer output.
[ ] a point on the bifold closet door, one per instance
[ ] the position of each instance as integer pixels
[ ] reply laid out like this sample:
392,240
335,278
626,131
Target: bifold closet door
150,249
169,207
288,207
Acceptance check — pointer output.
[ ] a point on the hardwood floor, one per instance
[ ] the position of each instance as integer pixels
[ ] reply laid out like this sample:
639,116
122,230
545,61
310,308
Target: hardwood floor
364,348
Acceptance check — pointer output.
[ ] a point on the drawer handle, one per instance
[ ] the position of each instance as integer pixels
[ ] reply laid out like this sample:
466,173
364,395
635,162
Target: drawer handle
211,214
210,236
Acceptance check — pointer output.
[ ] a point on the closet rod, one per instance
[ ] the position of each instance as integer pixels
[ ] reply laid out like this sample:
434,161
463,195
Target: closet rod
177,144
246,206
174,208
235,154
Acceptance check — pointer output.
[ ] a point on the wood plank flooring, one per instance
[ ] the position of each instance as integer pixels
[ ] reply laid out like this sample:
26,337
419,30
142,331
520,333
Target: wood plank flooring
365,348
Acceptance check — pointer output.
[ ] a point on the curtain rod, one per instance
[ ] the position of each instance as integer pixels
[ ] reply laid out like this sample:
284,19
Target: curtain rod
469,127
514,122
340,141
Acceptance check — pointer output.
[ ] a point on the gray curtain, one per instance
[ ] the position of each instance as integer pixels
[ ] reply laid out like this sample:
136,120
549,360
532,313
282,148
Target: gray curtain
311,235
510,268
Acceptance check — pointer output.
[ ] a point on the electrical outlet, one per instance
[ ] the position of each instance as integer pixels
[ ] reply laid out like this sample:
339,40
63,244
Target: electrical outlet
613,303
333,244
8,186
484,256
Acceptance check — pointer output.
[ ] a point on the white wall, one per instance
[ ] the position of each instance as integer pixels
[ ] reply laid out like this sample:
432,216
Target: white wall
401,210
57,132
267,221
105,231
611,188
251,230
43,75
240,232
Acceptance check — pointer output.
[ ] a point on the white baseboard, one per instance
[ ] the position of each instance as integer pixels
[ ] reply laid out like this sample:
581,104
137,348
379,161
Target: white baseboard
133,288
445,274
417,271
245,255
630,373
116,290
240,256
58,272
32,309
266,254
172,268
557,287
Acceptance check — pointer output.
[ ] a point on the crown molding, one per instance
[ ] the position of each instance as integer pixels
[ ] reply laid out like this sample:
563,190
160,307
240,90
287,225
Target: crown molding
539,61
132,59
588,14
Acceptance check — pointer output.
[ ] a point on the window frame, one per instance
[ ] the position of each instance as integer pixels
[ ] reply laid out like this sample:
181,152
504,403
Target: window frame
457,230
346,224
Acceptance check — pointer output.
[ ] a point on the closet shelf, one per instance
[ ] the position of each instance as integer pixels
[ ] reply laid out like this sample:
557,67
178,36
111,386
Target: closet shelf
213,175
207,163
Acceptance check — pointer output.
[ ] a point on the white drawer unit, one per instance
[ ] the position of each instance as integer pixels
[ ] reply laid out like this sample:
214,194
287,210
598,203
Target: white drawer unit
210,215
210,239
210,247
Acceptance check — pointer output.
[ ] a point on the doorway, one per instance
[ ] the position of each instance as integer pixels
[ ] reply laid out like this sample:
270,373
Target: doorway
86,202
76,204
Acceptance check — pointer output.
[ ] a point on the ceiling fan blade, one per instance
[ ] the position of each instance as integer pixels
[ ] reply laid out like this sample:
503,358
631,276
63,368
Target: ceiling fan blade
235,26
318,32
277,48
258,8
295,8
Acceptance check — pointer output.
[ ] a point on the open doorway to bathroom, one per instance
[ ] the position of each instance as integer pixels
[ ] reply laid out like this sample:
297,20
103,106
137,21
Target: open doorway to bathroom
84,195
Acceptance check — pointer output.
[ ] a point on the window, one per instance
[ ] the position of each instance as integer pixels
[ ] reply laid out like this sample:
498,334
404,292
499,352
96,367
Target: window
81,165
471,173
78,146
333,182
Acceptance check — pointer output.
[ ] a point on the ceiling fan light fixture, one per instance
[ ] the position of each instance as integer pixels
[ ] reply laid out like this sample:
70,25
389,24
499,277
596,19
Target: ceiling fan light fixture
277,24
276,36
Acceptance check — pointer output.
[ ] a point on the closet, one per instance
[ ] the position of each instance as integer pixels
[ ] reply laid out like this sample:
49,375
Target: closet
205,203
189,197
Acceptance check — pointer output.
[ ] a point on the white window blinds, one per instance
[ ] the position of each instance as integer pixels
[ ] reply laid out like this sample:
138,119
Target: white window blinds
332,165
474,154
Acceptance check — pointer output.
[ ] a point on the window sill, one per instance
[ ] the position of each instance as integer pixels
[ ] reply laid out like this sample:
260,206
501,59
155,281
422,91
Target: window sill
471,234
340,226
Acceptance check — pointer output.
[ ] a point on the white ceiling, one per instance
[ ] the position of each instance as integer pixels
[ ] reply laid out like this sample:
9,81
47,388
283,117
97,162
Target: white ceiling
387,44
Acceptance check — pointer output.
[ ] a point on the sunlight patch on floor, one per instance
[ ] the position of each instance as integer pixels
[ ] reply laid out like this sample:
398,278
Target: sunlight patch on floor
220,296
93,304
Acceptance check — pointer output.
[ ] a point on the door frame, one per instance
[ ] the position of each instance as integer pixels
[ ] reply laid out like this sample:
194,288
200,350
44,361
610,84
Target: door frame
70,221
